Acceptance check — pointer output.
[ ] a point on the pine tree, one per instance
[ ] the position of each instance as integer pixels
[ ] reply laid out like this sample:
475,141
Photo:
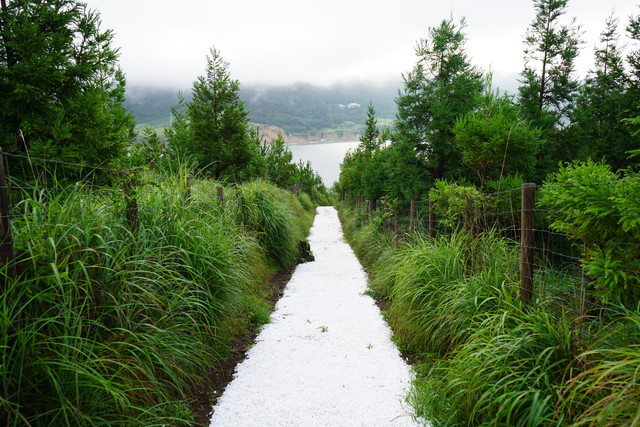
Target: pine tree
370,137
633,58
219,134
178,131
441,87
278,161
603,103
548,81
60,85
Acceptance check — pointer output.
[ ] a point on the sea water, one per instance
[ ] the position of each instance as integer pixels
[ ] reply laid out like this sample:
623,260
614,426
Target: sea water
325,157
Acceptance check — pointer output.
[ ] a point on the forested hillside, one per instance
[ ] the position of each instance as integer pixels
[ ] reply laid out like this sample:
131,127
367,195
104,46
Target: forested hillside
299,109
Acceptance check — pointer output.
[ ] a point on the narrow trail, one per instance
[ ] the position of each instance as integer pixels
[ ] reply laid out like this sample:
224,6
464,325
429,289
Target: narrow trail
325,358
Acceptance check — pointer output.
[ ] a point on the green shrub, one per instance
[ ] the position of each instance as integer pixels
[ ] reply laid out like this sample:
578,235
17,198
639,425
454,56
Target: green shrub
600,213
452,202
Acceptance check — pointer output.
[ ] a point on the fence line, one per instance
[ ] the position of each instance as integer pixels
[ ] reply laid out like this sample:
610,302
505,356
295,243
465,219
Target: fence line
22,176
545,254
25,177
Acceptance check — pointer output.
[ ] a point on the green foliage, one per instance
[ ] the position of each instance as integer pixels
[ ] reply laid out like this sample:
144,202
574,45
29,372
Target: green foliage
607,393
441,87
495,140
395,172
587,201
178,131
548,84
370,137
265,211
219,137
437,297
311,181
277,156
108,327
604,101
508,372
452,202
61,87
482,359
148,151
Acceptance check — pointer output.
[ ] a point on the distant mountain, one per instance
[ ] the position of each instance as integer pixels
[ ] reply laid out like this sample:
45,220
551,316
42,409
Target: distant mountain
300,109
151,106
303,109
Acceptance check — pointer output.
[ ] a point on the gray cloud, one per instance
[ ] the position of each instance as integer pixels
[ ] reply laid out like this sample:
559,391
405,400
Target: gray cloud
283,41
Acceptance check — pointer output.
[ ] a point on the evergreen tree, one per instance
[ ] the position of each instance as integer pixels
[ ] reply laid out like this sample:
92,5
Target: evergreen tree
441,87
633,58
278,161
60,86
548,81
370,137
495,139
219,136
178,131
603,103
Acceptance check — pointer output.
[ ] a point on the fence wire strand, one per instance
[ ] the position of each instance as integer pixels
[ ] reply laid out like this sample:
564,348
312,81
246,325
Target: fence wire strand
557,255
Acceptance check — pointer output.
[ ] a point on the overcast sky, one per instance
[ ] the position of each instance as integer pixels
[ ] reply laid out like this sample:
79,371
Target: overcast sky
165,42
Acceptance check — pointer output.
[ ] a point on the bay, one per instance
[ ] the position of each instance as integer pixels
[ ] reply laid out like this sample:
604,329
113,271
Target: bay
325,157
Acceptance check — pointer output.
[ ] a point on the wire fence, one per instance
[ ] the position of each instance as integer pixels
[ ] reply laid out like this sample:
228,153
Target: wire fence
553,271
28,184
27,181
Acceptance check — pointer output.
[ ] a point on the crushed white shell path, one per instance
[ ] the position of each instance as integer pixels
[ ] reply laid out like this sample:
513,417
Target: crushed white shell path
325,358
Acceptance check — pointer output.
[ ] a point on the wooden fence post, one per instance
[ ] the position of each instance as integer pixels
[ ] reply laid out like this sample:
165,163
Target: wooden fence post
130,199
527,243
412,215
220,191
396,222
7,253
432,220
469,218
187,193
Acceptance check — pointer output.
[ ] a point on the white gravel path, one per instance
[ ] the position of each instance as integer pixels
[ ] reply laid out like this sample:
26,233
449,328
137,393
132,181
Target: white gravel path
325,358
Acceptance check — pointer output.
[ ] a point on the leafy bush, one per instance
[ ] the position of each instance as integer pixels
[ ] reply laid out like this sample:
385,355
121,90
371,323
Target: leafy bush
600,213
452,202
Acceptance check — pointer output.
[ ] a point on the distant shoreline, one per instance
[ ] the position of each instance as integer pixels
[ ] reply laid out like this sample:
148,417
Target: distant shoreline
321,142
269,133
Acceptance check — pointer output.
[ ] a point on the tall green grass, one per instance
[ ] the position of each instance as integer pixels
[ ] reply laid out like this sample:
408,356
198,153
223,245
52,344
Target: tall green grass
442,290
608,391
105,326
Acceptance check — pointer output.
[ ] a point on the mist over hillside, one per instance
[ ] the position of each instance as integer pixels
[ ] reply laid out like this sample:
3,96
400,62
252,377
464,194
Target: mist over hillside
304,108
299,109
